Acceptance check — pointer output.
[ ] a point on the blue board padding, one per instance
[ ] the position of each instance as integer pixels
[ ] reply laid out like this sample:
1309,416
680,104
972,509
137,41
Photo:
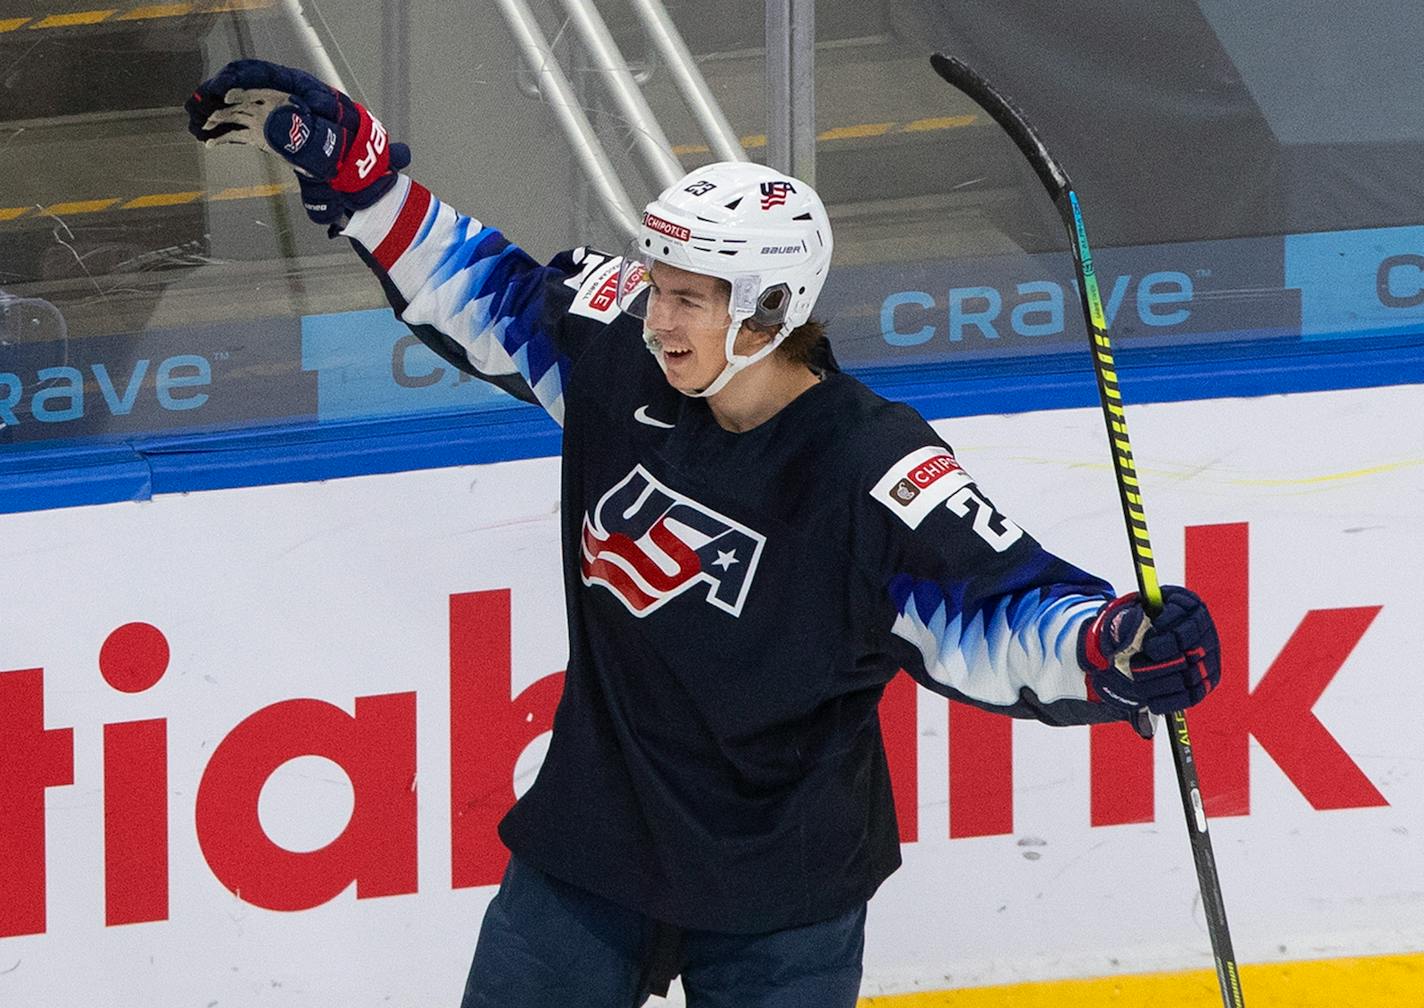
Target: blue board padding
42,476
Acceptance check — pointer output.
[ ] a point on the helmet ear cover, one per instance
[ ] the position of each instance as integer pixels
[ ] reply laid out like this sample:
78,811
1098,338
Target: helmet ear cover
771,306
753,303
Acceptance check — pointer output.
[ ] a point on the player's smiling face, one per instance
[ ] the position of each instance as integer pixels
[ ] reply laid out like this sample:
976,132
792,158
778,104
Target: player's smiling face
688,313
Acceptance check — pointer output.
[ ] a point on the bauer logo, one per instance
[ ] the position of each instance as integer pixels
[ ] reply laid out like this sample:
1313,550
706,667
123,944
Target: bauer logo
648,544
655,223
920,482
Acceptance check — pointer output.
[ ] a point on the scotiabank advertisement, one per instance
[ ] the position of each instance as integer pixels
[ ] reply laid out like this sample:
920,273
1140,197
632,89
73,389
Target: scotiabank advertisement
255,742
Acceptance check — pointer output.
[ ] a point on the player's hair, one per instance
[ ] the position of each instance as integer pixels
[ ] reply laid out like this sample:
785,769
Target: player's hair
799,347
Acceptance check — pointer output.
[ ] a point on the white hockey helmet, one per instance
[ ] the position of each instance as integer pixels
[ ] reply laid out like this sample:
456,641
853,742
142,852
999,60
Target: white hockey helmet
767,234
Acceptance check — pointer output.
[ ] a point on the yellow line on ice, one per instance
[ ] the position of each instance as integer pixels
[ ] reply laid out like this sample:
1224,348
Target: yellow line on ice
150,11
148,202
1350,474
249,192
80,206
161,199
143,12
156,11
77,18
1392,981
855,131
937,123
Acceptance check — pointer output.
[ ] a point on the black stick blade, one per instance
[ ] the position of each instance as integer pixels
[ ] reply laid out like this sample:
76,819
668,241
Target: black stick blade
1009,117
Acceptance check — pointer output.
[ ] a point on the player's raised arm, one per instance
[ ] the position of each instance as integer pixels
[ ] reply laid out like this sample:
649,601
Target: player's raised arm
474,298
987,615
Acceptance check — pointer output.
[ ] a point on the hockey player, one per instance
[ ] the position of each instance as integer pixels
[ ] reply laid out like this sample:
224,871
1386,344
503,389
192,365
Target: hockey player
754,543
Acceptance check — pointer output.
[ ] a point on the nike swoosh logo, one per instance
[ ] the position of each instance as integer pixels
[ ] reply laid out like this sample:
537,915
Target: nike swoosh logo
641,415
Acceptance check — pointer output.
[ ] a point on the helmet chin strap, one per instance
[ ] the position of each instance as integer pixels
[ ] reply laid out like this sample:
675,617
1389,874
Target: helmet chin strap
735,361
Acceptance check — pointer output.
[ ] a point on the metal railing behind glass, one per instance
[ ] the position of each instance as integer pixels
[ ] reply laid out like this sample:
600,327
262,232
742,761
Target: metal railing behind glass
607,61
690,83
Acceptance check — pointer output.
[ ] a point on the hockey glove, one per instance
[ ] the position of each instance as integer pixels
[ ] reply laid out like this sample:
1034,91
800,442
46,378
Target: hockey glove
1164,664
339,151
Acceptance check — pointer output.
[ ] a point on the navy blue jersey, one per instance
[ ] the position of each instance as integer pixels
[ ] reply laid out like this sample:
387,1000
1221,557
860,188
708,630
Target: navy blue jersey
736,602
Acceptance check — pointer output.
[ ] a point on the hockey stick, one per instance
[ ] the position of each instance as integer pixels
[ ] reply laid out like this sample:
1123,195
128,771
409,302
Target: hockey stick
1055,180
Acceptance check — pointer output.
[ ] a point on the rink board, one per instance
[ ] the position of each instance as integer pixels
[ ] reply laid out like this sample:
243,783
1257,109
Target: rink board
207,826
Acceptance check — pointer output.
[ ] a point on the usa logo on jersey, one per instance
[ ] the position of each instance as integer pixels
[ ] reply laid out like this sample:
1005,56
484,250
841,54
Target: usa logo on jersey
648,544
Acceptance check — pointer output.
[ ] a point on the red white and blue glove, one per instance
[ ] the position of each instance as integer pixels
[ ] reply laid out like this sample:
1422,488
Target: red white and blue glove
1166,663
340,152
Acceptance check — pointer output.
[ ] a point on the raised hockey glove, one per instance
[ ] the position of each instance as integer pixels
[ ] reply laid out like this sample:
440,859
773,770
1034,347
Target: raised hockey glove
340,152
1164,664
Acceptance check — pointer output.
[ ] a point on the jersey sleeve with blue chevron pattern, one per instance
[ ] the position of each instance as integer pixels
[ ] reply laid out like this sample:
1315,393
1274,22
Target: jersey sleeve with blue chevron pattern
983,613
482,302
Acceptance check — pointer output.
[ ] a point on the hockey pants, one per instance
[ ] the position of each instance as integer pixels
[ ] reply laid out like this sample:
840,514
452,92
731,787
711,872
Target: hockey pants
547,944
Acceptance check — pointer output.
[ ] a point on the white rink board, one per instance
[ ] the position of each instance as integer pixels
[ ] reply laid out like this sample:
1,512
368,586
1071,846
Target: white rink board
341,590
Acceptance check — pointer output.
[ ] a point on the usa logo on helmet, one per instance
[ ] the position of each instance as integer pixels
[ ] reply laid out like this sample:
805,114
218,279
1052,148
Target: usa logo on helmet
648,544
775,193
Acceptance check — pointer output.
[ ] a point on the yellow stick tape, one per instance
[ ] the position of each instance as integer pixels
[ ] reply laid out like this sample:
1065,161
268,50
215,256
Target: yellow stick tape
1393,981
